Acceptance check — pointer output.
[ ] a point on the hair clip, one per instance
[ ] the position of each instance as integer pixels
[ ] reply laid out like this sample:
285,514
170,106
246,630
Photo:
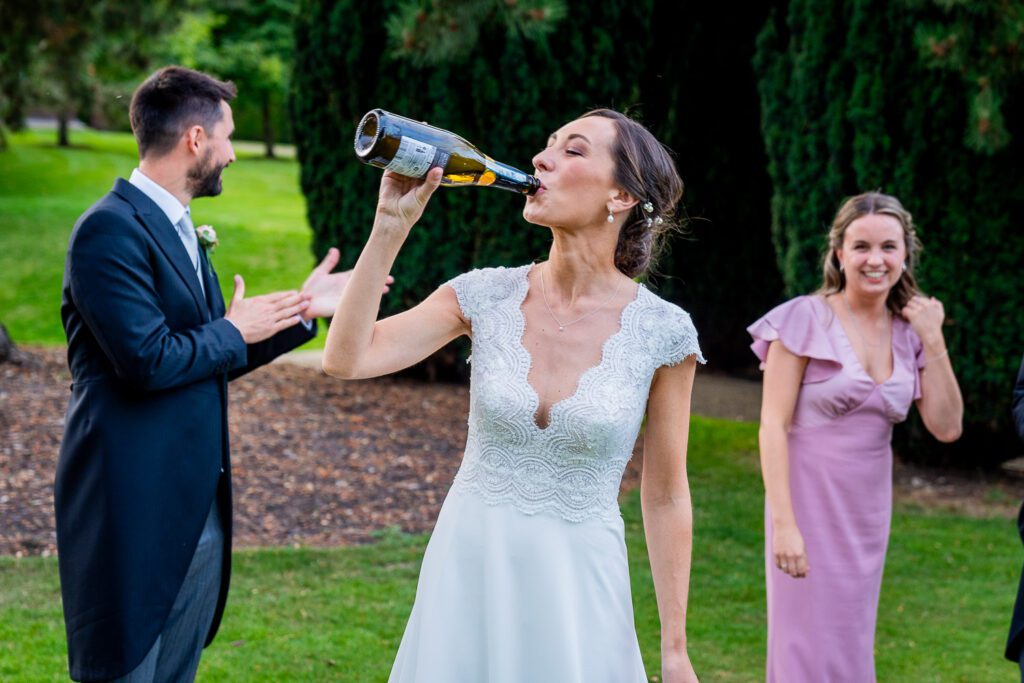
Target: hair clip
648,207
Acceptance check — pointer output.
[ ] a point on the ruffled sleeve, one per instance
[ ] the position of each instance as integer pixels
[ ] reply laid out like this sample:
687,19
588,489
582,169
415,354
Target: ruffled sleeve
800,325
679,337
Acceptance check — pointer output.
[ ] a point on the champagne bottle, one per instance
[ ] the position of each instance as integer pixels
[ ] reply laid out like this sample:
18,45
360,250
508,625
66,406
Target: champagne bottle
411,148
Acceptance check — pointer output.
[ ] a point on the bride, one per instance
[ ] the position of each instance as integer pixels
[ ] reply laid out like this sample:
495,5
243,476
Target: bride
525,577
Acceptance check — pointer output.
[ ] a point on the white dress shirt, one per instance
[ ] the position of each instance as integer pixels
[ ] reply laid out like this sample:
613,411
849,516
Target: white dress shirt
178,214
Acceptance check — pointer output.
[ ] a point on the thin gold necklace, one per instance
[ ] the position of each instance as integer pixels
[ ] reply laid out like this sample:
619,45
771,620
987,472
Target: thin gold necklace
856,325
561,325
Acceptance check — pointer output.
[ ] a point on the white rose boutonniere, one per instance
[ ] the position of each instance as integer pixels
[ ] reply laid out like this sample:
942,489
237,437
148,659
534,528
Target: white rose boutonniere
207,238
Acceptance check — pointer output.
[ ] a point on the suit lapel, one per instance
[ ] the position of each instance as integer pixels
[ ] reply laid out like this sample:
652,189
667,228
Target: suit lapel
214,299
166,237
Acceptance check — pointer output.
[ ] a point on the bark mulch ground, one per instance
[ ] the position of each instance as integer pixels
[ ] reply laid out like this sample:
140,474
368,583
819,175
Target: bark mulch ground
321,462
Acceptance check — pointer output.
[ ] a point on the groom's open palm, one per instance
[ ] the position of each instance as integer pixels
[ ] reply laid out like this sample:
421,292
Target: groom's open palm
324,287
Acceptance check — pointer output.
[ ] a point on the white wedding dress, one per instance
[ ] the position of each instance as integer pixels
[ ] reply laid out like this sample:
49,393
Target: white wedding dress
525,578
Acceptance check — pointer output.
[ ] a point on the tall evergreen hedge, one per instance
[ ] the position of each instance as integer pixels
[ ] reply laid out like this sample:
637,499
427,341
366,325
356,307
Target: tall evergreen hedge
690,79
699,96
507,96
848,105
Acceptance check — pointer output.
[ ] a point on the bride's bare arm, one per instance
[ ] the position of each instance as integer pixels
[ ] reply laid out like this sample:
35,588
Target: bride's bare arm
668,517
358,345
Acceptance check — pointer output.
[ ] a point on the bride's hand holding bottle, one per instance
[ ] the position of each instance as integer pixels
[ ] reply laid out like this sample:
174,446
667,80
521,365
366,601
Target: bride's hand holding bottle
401,201
358,346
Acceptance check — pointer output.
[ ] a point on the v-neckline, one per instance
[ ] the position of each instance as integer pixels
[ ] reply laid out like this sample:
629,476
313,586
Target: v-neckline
535,406
853,351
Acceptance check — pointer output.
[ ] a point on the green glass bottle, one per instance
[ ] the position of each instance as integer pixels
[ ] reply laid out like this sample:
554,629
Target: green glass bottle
412,148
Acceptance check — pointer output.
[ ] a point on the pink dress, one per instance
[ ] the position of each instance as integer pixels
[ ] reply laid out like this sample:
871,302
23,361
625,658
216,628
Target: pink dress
821,629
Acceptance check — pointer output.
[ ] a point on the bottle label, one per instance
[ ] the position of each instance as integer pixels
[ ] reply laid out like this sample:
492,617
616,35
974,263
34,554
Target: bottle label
413,158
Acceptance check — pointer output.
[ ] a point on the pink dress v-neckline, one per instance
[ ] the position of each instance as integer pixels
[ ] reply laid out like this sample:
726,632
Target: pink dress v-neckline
848,344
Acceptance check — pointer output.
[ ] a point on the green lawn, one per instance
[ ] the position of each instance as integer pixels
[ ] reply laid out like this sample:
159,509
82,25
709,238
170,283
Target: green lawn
305,615
260,219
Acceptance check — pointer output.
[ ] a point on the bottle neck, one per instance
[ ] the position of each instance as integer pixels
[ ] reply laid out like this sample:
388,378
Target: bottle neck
510,178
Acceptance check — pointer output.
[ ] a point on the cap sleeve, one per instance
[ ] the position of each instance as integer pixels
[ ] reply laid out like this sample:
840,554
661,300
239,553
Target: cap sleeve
800,326
679,338
469,288
485,289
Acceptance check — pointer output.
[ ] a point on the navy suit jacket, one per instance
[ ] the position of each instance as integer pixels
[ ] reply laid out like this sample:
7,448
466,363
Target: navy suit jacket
145,448
1016,640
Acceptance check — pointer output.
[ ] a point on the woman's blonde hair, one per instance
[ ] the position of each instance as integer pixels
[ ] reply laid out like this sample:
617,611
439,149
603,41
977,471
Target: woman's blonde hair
869,203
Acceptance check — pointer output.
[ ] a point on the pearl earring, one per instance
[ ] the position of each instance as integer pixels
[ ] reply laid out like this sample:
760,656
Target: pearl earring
611,217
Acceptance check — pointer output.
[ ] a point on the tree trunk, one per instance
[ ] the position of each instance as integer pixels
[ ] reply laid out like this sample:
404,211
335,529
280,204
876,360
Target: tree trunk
268,127
7,348
62,130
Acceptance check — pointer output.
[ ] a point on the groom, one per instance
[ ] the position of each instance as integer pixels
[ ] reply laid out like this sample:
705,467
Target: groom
143,485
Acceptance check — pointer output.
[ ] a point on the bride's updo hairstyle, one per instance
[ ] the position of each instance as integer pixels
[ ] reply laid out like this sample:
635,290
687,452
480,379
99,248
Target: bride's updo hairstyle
644,168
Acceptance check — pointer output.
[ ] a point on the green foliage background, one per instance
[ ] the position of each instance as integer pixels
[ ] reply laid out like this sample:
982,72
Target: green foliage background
775,113
699,96
507,92
506,97
249,43
849,106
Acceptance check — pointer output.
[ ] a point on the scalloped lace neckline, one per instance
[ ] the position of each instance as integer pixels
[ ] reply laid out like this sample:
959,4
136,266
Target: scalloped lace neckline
535,407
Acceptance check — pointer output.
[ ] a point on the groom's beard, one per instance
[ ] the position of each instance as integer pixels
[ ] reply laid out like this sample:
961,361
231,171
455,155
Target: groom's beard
203,179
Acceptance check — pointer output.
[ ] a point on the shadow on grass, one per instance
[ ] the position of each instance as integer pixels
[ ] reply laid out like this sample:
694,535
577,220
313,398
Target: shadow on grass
70,147
250,157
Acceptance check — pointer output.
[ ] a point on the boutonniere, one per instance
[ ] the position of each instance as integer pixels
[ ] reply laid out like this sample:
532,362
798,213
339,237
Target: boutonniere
207,237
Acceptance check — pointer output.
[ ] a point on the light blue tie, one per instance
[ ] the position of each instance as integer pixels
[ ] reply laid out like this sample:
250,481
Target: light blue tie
187,233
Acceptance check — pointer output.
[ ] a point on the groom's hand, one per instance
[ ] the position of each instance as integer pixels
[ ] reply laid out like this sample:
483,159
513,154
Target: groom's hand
261,317
324,288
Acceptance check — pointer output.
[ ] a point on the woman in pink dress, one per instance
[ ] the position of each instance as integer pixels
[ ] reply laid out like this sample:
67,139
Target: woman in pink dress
841,366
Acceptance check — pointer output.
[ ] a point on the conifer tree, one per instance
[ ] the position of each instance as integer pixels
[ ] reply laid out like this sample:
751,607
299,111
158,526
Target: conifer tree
849,105
506,94
449,30
505,74
982,43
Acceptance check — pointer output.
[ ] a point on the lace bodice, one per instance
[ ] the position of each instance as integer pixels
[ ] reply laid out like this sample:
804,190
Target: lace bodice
573,466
